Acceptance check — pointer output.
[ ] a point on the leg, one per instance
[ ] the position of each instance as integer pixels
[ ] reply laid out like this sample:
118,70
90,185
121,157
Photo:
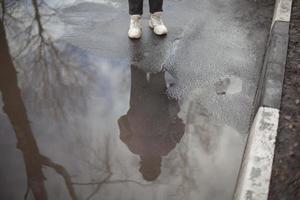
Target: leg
155,21
139,89
135,10
156,6
158,82
135,7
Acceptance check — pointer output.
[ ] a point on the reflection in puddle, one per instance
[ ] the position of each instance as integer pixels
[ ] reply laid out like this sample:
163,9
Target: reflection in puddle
14,108
160,149
151,128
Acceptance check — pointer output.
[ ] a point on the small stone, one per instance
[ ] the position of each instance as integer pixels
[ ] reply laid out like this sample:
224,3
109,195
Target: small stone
287,117
297,101
290,126
221,86
291,153
296,144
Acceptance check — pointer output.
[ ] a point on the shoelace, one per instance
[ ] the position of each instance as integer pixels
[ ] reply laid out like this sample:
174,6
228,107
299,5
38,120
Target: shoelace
135,23
156,21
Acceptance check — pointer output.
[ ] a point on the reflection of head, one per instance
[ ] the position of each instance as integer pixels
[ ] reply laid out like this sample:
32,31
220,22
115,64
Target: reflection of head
150,167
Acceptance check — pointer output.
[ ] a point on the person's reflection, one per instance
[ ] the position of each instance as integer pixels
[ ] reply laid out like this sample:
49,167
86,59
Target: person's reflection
151,128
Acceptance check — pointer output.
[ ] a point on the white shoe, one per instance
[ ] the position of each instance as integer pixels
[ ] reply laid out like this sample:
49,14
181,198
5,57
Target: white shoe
135,28
157,24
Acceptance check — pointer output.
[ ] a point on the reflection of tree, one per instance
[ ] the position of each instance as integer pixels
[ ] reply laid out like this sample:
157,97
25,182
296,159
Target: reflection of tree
41,59
15,109
34,161
60,74
106,173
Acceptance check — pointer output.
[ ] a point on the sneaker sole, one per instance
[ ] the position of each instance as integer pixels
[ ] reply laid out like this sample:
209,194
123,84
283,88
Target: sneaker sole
134,38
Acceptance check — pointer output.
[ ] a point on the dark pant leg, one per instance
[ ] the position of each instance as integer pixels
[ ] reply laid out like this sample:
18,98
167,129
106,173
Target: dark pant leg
135,7
156,5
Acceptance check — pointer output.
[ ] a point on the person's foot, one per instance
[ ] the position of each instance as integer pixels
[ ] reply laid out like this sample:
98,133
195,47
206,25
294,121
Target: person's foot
157,24
135,28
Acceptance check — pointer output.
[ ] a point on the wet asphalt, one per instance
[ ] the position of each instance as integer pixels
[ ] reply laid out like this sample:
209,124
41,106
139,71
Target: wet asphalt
90,114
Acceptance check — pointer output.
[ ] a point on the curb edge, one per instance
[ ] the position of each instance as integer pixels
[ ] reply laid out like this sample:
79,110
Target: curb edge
255,172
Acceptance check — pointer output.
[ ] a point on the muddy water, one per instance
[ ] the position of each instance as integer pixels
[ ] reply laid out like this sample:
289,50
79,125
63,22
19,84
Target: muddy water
79,124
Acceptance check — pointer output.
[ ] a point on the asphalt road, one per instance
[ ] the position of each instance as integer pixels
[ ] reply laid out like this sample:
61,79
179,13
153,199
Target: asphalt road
96,115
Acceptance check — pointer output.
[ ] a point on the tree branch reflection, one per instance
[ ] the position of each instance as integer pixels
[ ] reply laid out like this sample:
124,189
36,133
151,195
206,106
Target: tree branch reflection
61,73
15,109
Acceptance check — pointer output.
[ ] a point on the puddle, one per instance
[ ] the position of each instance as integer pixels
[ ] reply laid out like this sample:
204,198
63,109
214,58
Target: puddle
79,123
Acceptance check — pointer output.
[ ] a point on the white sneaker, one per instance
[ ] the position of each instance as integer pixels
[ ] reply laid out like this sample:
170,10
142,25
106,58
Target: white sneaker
135,28
157,24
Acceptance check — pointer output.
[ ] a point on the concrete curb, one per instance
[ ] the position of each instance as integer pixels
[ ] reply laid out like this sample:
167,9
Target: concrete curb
255,173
